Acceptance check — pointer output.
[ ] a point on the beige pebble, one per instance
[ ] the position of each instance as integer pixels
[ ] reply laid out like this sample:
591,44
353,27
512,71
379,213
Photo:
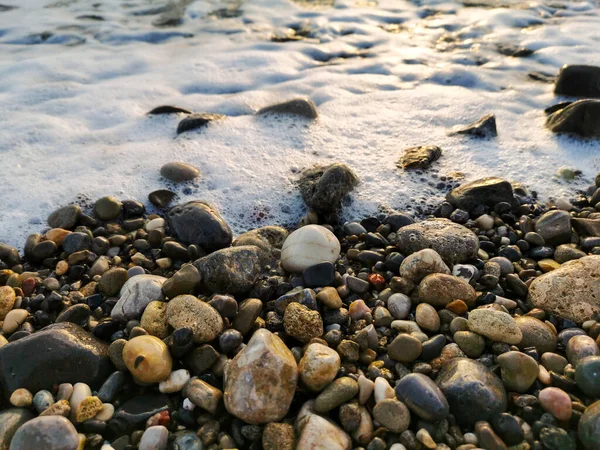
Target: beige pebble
106,412
383,390
80,392
60,408
544,376
425,438
427,317
62,267
64,391
7,300
21,398
13,320
3,341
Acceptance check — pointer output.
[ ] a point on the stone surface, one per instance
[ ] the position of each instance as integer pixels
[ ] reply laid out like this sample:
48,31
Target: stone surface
147,358
440,289
71,355
200,224
571,292
453,242
581,118
190,312
197,121
495,325
184,281
404,348
135,295
260,381
154,319
589,426
580,347
65,217
230,270
10,421
302,323
422,263
423,397
7,300
482,128
557,402
472,390
47,433
419,157
587,375
319,366
578,81
268,239
518,370
307,246
154,438
108,208
324,187
485,191
554,227
203,395
536,334
392,414
316,432
178,171
278,436
112,281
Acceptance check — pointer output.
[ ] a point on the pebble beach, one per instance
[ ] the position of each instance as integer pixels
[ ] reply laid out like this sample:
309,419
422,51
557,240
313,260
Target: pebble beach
445,296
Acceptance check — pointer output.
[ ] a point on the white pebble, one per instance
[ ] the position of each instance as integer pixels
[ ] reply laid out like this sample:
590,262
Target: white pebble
383,390
485,222
155,224
365,387
564,204
107,447
397,447
65,390
470,438
80,392
107,412
154,438
188,405
308,246
175,383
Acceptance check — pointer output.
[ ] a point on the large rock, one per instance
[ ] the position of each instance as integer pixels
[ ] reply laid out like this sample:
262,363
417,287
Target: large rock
10,421
572,291
200,224
318,433
136,293
260,381
454,243
589,426
9,255
324,188
485,191
230,270
554,227
581,118
46,433
472,390
60,353
578,81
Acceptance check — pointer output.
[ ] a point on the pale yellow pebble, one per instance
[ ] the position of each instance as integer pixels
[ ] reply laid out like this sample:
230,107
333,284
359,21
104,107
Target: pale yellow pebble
482,254
7,300
164,263
60,408
21,398
3,341
88,409
147,358
425,438
81,438
548,265
62,267
106,413
543,375
13,320
14,280
28,275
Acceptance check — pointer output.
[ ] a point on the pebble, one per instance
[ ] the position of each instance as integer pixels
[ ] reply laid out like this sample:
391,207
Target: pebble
154,438
190,312
202,394
178,172
495,325
315,432
65,217
278,436
440,289
423,397
365,389
392,414
399,305
404,348
65,390
13,320
427,317
307,246
302,323
7,300
108,208
422,263
56,433
587,375
518,370
580,347
319,366
147,358
21,398
42,400
60,408
154,319
382,390
556,402
472,344
135,295
106,413
87,409
536,334
589,426
425,438
338,392
175,382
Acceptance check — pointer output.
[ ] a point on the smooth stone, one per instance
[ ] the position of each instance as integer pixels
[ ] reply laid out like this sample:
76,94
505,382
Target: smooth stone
298,106
427,317
317,275
81,391
47,433
201,359
196,121
190,312
135,295
21,398
319,366
154,319
230,270
589,426
108,208
495,325
392,414
13,320
187,440
485,191
382,390
202,394
184,281
67,349
65,217
472,344
439,289
340,391
571,292
420,157
112,281
134,413
268,239
578,81
399,305
580,118
249,311
7,300
42,400
422,263
316,432
518,371
587,375
554,362
472,390
302,323
111,387
106,413
365,389
422,397
453,242
324,187
179,172
487,438
260,381
154,438
404,348
330,297
580,347
175,382
309,245
65,390
554,227
10,421
161,197
200,224
557,402
509,429
147,358
536,334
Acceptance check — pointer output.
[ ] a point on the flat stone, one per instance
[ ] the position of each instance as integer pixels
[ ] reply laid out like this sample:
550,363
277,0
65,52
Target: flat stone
298,106
404,348
423,397
483,128
518,370
65,217
200,224
392,414
495,325
179,172
440,289
203,395
340,391
536,334
485,191
554,227
196,121
419,157
135,295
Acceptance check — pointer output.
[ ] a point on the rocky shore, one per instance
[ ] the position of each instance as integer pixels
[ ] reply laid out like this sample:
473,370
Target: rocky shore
474,327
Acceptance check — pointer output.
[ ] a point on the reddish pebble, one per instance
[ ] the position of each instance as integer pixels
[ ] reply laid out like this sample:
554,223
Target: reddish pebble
557,402
164,418
457,307
28,286
376,280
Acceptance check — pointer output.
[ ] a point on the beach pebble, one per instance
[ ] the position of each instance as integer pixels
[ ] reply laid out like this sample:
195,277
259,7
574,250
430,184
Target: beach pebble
135,295
13,320
60,408
107,208
315,432
202,394
556,402
319,366
200,224
154,319
580,347
21,398
382,390
56,432
427,317
147,358
330,297
154,438
178,171
87,409
106,413
184,281
307,246
440,289
587,375
423,397
65,390
65,217
365,389
472,344
399,305
190,312
42,400
392,414
536,334
7,300
422,263
302,323
518,370
404,348
278,436
589,426
175,382
495,325
340,391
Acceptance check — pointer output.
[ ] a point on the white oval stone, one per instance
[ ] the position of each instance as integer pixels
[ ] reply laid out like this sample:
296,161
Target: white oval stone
154,438
155,224
80,392
383,390
308,246
108,410
175,382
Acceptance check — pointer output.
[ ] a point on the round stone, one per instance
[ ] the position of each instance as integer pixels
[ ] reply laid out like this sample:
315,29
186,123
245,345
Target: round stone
589,426
423,397
154,438
518,370
175,382
47,432
302,323
495,325
405,348
580,347
112,281
472,344
392,414
319,366
191,312
427,317
309,245
108,208
147,358
422,263
65,217
587,375
21,398
13,320
399,305
178,171
154,319
440,289
536,334
557,402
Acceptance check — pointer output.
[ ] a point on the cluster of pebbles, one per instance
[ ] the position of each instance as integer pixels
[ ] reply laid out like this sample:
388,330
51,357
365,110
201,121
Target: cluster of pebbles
476,327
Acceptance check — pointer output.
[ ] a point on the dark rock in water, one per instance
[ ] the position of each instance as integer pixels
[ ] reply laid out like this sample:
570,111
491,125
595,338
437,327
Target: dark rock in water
483,128
230,270
76,242
161,197
514,51
454,243
197,120
419,157
169,109
324,187
46,433
134,414
554,227
9,255
578,81
581,117
398,220
589,426
178,171
485,191
65,217
69,355
552,109
299,106
473,391
423,397
200,224
10,421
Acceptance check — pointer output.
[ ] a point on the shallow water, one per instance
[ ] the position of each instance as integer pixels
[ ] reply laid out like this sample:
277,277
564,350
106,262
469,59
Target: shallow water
79,76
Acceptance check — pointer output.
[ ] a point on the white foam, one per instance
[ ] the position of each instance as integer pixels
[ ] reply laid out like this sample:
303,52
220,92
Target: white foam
74,124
